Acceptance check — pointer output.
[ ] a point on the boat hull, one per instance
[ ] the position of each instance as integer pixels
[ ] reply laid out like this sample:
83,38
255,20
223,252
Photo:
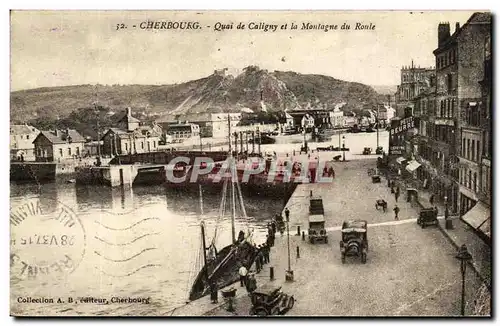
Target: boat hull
227,273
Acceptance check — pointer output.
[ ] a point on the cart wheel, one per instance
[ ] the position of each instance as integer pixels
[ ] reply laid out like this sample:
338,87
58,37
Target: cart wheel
260,311
275,311
291,302
363,258
343,259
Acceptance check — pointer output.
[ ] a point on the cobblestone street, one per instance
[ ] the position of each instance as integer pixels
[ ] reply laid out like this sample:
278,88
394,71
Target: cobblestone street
409,272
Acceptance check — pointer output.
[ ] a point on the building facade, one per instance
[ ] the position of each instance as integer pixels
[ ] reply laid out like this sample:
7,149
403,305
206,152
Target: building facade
58,145
474,100
210,124
337,118
414,80
21,142
130,136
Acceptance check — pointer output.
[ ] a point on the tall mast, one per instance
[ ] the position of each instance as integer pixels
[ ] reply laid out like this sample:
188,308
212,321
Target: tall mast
202,225
233,198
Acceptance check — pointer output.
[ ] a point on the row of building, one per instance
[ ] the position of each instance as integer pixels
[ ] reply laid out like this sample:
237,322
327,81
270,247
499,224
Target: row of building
452,102
129,135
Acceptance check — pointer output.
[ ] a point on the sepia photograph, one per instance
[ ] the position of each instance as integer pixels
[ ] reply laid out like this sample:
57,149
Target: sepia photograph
218,163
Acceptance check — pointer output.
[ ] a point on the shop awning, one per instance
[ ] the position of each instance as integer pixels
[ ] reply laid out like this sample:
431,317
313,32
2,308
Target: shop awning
412,166
478,217
400,160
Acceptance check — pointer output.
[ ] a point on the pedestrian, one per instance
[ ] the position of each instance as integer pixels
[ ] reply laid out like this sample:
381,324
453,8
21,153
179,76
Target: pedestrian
258,266
396,212
265,253
273,226
252,283
213,291
241,236
261,257
431,199
243,275
268,254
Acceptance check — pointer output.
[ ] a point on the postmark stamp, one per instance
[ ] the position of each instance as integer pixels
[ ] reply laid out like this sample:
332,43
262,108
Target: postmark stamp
47,239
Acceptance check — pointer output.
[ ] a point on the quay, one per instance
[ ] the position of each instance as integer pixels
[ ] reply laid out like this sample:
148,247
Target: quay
410,271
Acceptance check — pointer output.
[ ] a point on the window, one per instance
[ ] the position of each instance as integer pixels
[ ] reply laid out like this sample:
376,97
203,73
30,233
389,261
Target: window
468,149
78,151
142,145
463,147
61,152
126,147
449,82
475,187
69,151
27,136
445,60
469,181
473,150
478,151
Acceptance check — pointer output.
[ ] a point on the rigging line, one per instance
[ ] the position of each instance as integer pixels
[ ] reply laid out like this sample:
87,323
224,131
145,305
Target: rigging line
240,197
221,212
194,267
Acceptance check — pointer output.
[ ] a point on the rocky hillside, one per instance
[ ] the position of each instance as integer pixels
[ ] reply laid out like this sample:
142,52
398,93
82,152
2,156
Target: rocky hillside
253,88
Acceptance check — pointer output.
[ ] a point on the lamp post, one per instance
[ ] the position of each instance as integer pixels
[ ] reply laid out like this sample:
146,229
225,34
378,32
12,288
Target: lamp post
464,256
448,222
343,148
289,272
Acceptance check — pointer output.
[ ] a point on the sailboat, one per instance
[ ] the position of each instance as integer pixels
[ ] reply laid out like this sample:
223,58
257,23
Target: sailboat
222,266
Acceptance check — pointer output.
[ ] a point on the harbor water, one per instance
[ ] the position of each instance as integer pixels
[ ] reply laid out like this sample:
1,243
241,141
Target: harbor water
140,243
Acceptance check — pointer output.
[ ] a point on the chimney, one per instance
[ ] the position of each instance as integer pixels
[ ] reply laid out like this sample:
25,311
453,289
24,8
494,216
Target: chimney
443,33
67,132
56,132
129,112
457,27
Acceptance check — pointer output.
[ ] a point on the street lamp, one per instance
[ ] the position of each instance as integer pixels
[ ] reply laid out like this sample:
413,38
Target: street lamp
289,272
343,148
464,256
448,222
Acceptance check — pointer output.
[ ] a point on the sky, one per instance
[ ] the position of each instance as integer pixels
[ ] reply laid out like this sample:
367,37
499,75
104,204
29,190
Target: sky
59,48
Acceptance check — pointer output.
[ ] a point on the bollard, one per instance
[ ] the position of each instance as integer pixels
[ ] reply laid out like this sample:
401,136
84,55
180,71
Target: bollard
298,230
298,252
271,273
303,236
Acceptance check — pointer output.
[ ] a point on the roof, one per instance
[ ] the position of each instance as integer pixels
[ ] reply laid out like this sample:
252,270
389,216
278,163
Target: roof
478,17
62,136
22,129
267,289
316,218
354,224
122,115
140,132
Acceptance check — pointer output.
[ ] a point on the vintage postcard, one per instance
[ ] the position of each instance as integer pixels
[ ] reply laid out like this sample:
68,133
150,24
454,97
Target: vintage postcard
241,163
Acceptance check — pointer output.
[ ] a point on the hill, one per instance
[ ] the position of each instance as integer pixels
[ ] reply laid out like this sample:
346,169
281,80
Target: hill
253,88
